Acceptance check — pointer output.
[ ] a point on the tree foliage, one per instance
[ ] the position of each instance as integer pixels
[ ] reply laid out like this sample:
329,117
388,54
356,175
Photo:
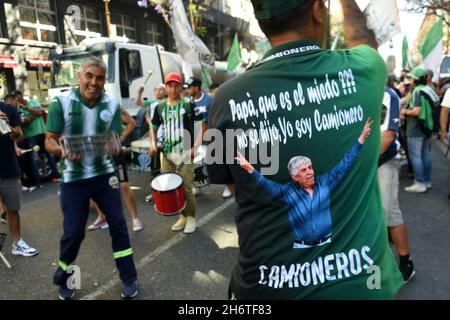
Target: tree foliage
195,10
439,8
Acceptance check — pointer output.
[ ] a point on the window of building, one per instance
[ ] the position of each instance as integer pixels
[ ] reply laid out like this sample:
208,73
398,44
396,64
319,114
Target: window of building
218,5
38,20
125,26
90,25
154,32
213,45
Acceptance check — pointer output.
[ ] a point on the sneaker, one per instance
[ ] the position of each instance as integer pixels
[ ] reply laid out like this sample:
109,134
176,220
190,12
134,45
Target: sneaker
21,248
195,191
25,189
191,225
33,188
100,222
3,218
179,225
428,185
416,187
149,198
226,193
56,180
137,225
129,291
408,271
65,293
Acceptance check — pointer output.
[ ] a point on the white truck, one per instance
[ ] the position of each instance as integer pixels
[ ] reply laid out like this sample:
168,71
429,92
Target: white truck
130,65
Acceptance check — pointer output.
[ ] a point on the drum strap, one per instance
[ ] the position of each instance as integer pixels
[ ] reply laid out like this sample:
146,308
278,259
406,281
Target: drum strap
177,168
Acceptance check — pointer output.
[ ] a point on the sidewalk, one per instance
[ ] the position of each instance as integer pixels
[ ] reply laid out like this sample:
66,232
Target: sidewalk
427,217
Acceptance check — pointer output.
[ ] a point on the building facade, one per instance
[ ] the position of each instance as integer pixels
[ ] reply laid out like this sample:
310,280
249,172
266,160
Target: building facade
29,29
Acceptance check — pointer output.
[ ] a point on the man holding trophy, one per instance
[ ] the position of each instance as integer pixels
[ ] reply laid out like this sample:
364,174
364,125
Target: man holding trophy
83,127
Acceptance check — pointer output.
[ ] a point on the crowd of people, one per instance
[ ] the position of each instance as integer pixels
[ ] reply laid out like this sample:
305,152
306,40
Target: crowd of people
292,220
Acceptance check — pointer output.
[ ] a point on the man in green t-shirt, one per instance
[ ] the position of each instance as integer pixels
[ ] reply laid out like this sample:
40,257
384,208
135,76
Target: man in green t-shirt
83,115
301,99
34,134
144,116
418,135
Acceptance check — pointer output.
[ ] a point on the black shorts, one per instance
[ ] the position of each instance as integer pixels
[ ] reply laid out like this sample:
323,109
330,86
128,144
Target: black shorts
122,169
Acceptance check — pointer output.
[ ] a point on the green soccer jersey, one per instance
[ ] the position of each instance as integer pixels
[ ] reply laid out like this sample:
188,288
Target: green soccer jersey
37,126
310,102
69,115
412,123
178,125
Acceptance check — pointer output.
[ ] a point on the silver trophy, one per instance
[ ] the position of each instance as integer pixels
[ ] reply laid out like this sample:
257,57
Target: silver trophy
97,145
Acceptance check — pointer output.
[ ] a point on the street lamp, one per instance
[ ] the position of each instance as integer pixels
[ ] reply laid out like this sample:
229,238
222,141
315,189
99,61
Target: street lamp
108,17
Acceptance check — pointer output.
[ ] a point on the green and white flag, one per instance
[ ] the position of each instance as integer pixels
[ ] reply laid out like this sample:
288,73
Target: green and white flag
262,46
189,45
406,64
431,48
234,56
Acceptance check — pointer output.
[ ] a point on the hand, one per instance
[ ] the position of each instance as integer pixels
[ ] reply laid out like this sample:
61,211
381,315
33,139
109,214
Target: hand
152,151
72,157
366,131
40,112
18,151
4,117
140,90
244,163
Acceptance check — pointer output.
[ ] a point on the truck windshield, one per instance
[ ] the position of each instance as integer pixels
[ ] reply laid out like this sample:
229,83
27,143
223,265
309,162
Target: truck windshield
65,67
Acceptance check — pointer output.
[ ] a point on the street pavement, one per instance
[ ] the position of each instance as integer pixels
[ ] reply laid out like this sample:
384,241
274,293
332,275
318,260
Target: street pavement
172,265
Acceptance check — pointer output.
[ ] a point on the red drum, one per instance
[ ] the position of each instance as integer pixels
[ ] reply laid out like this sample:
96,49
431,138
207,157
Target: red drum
168,194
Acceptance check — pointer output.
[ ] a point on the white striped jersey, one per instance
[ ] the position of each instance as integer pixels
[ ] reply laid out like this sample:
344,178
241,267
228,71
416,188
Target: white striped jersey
70,116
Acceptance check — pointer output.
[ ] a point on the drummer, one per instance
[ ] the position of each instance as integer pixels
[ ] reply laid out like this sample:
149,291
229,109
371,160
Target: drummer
87,110
178,114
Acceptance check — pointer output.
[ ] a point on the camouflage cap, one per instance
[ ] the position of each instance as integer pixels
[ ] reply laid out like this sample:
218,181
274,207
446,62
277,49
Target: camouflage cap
275,8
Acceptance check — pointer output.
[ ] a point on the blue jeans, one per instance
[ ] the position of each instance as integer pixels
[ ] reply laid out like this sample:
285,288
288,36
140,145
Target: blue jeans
34,162
419,153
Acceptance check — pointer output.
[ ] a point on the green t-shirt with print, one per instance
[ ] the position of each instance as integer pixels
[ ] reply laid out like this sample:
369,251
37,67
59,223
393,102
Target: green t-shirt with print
412,124
309,102
37,125
69,115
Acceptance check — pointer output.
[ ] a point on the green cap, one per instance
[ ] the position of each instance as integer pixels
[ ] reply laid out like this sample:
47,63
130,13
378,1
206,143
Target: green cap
276,8
417,73
33,103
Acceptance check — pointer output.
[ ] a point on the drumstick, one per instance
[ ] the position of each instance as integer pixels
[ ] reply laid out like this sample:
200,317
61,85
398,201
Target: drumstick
150,72
5,261
35,148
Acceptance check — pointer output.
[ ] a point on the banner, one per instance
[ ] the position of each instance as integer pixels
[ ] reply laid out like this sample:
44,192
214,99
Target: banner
431,49
189,45
234,56
406,64
262,46
383,19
